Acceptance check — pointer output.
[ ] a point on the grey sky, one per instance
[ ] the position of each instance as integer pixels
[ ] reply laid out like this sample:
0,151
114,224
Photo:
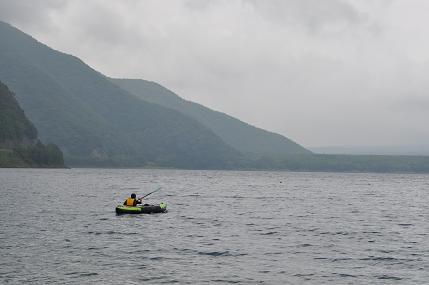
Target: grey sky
331,72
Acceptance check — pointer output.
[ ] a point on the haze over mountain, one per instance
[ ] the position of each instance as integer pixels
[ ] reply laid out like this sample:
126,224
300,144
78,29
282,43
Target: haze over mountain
97,123
245,138
94,121
334,72
19,144
415,150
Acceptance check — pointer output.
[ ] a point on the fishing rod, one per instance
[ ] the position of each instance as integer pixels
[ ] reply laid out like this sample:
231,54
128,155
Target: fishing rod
159,188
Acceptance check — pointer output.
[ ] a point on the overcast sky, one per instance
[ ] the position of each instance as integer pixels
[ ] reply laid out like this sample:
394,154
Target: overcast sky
331,72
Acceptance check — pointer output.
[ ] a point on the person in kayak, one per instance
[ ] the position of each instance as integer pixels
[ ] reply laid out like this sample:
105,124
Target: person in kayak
132,201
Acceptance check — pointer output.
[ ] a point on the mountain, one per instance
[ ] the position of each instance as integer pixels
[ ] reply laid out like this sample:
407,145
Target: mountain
247,139
95,122
19,145
407,150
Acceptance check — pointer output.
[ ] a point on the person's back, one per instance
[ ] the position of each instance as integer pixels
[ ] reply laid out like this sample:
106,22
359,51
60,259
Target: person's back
132,201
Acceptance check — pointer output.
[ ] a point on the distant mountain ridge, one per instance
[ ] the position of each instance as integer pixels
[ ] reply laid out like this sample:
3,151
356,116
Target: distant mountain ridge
95,122
247,139
410,150
19,145
98,124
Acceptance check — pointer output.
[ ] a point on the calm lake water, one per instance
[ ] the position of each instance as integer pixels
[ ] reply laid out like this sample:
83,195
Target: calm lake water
60,227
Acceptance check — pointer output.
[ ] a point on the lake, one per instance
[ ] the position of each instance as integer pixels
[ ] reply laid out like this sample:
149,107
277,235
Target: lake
60,227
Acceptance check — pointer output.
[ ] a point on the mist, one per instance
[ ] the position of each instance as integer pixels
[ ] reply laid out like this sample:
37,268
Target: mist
323,73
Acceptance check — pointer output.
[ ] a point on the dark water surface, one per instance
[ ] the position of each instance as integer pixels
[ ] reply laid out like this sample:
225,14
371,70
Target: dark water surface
59,227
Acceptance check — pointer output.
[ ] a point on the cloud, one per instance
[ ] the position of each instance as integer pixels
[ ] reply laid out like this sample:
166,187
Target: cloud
310,14
321,72
29,13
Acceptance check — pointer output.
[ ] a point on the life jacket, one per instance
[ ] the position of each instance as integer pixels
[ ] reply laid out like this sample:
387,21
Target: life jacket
131,202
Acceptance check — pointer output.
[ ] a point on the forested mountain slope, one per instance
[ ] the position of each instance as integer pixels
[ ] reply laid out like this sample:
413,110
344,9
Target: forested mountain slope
243,137
19,145
97,123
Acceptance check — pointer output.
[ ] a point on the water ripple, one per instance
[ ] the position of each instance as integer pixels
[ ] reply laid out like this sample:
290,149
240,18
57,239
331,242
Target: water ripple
222,227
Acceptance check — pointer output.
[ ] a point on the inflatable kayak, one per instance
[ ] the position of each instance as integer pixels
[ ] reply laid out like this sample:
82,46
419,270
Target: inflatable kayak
141,209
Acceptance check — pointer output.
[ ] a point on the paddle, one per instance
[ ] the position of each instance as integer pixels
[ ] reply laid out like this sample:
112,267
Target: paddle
150,193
